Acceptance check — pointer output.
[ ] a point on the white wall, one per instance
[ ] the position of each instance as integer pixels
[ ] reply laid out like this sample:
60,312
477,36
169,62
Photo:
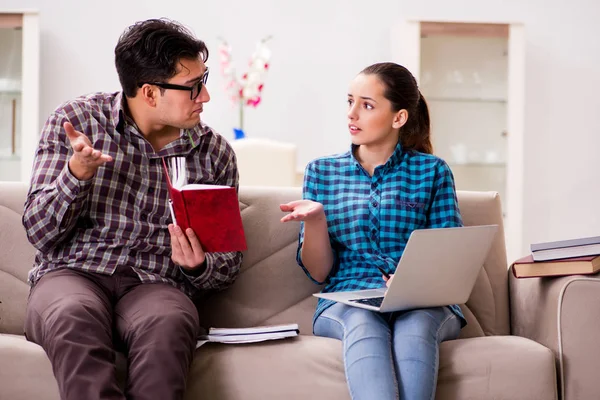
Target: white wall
319,45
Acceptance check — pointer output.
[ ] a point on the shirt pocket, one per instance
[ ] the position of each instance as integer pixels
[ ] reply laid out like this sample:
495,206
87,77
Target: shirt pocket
412,213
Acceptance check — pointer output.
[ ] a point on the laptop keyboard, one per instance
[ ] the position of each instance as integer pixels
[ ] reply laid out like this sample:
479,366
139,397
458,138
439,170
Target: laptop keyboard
373,301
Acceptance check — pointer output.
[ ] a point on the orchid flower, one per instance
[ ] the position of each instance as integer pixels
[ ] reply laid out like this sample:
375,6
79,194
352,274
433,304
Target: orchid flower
247,90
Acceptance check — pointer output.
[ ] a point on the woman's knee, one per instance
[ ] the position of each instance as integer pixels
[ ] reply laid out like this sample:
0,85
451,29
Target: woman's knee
341,320
364,324
423,323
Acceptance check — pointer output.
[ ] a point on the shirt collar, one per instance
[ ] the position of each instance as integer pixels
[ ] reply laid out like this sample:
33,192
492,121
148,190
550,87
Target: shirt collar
394,159
189,136
117,113
193,135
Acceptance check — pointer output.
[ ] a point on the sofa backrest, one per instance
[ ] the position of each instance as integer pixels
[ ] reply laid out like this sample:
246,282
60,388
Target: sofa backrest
487,310
16,258
271,288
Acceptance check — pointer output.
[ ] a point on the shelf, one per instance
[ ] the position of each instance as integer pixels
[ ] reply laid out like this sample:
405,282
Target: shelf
7,157
11,92
478,164
465,99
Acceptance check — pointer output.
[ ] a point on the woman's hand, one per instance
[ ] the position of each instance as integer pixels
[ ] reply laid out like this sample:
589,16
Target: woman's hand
388,281
302,210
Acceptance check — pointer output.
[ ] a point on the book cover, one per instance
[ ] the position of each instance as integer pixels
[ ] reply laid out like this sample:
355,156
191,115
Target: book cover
212,211
565,243
526,267
566,252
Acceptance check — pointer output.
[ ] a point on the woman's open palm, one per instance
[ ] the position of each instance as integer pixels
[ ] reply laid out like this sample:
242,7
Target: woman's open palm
302,210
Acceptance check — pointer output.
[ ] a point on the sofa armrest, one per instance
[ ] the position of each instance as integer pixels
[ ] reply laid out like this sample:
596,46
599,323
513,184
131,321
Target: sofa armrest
563,314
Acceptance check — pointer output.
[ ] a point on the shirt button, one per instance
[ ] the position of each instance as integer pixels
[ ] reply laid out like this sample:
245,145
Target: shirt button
144,216
373,233
374,185
375,204
151,190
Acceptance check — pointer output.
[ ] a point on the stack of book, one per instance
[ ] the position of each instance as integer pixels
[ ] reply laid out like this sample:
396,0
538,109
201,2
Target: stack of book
249,335
564,257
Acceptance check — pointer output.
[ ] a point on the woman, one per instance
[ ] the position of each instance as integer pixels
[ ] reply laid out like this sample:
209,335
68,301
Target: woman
357,212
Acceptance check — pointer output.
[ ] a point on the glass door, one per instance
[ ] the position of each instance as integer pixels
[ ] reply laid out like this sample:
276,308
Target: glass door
10,102
473,75
19,93
464,78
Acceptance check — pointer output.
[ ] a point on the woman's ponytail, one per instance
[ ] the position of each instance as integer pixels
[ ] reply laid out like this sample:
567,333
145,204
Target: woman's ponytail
416,133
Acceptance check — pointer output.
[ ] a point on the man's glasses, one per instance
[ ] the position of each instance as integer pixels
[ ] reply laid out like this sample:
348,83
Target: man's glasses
194,90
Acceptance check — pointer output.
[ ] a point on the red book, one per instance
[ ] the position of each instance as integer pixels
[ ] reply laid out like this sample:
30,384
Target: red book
526,267
212,211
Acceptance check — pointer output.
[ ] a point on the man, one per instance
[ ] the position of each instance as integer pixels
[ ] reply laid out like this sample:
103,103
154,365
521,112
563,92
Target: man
108,274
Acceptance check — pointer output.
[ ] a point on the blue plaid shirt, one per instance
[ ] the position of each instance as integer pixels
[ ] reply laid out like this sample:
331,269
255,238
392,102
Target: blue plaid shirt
370,218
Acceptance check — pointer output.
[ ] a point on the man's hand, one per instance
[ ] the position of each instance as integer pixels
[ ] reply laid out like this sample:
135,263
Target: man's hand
186,249
302,210
85,159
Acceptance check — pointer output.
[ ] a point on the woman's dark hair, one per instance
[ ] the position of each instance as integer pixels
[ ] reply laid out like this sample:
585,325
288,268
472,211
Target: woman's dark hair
150,51
402,91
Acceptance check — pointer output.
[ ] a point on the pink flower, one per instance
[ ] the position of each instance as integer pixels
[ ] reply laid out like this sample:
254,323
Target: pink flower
246,90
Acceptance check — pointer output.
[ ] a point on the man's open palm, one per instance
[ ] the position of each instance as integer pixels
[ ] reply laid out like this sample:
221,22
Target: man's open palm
85,159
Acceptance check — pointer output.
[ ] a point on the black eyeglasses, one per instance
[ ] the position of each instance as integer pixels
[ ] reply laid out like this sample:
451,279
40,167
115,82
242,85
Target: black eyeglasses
194,90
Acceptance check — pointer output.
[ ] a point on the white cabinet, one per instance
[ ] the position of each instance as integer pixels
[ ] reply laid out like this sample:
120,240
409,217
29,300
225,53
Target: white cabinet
19,93
464,80
472,76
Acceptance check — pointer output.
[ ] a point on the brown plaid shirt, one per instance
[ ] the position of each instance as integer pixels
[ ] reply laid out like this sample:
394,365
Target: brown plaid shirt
120,216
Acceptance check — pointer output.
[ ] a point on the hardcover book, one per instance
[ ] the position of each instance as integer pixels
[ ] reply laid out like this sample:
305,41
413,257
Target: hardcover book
526,267
582,247
212,211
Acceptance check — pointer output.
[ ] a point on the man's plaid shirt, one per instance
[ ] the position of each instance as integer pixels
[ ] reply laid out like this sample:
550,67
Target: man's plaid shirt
119,217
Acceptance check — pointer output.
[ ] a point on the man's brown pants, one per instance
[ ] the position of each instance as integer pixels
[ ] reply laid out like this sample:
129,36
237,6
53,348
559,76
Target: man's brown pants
80,318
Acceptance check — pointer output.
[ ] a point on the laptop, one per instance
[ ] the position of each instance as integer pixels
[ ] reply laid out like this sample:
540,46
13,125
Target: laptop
439,267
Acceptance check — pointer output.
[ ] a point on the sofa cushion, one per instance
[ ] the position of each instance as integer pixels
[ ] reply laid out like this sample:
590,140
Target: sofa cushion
309,367
305,367
25,371
496,367
271,287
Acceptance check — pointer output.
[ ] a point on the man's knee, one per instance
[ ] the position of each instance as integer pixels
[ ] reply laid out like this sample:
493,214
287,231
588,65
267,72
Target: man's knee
166,321
72,310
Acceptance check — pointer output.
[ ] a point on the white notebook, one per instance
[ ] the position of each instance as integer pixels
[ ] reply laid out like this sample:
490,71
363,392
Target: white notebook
249,335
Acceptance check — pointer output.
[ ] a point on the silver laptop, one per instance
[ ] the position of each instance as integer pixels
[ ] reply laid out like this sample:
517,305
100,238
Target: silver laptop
438,267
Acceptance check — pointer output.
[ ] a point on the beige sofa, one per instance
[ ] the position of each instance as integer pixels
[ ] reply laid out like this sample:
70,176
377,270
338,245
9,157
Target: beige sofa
495,357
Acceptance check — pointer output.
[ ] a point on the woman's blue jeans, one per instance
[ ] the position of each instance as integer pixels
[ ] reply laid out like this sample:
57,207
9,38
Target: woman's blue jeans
391,355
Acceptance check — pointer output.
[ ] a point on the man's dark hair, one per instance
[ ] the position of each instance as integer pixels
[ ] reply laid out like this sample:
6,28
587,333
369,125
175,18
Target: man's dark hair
150,51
